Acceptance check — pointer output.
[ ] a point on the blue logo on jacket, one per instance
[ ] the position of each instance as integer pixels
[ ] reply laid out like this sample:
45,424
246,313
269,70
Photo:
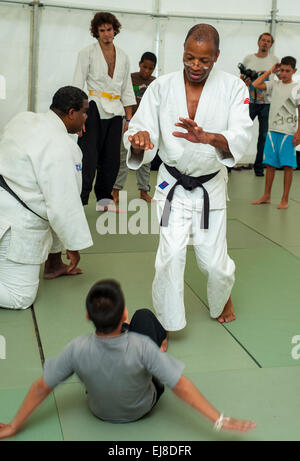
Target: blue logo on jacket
78,167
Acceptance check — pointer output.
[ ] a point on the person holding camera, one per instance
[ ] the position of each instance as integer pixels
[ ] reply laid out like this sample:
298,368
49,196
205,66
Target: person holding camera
259,104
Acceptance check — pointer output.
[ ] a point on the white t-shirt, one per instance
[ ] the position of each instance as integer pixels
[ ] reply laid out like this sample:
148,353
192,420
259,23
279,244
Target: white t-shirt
283,116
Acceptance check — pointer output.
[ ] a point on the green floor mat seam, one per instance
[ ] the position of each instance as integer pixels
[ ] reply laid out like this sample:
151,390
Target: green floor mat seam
228,331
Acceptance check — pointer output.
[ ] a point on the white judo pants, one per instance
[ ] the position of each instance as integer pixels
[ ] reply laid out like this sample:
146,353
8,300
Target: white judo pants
210,248
18,282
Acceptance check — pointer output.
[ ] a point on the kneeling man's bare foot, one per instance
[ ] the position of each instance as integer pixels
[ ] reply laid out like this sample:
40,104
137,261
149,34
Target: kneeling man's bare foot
164,344
54,267
262,200
228,314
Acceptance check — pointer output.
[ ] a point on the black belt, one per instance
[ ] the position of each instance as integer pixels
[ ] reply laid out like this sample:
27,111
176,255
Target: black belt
6,187
189,183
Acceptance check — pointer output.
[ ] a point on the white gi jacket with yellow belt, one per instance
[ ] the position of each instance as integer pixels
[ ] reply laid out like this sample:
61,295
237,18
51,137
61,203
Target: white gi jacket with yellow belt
111,95
223,108
41,163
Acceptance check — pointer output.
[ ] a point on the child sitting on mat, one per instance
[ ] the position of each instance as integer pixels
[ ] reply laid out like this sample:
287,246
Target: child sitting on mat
122,365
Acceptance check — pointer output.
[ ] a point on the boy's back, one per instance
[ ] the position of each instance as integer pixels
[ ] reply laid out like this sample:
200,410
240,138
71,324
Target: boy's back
117,373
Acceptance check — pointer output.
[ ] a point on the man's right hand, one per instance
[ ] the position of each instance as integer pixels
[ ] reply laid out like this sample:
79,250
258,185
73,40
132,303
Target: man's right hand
140,142
247,81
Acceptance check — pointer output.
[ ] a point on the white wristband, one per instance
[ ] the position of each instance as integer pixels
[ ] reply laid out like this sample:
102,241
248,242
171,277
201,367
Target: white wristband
219,423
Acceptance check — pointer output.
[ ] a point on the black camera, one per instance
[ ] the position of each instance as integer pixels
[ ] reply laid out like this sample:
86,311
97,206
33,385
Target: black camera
252,74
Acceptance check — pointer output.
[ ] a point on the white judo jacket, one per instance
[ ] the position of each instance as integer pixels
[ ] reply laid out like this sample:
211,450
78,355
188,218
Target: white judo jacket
41,163
111,95
223,108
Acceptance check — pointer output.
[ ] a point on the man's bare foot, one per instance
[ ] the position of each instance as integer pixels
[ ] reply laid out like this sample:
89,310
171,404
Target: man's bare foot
59,271
145,196
164,344
228,314
262,200
283,205
54,267
115,194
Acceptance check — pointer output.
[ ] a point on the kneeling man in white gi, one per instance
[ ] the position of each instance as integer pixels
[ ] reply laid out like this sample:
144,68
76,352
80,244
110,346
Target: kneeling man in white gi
40,206
212,113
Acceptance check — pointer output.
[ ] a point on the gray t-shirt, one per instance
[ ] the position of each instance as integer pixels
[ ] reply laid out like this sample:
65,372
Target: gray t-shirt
283,116
117,373
260,65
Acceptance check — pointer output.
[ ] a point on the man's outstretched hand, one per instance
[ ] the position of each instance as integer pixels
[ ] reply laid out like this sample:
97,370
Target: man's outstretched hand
140,142
194,132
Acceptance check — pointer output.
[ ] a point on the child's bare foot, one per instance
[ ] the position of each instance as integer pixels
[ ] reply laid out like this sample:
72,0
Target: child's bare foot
145,196
228,314
115,194
263,199
283,205
164,344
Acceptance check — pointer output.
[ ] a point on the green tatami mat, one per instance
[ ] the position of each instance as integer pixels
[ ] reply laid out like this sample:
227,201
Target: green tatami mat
266,299
22,364
249,394
60,304
280,226
43,425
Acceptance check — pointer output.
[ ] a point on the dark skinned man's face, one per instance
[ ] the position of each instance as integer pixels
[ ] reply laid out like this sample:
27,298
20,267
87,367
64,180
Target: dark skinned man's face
199,59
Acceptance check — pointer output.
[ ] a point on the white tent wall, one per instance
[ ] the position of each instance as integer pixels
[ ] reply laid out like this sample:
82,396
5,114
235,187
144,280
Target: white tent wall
14,58
64,31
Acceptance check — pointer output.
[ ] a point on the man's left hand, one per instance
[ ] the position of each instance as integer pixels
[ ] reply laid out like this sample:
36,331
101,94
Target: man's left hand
194,132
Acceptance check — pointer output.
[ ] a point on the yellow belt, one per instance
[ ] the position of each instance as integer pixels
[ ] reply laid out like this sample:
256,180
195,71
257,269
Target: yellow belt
103,94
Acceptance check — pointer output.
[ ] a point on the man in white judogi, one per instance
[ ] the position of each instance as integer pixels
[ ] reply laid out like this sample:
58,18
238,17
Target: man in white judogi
40,207
105,69
214,132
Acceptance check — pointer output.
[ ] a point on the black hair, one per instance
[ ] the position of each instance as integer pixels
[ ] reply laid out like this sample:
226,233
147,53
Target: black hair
105,305
204,33
149,56
66,98
289,61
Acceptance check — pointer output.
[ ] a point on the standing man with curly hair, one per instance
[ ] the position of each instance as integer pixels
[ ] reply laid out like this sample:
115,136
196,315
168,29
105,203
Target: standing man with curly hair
105,69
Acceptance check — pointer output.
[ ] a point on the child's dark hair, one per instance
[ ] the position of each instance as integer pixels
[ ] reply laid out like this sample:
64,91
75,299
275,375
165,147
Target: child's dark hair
289,61
149,56
105,305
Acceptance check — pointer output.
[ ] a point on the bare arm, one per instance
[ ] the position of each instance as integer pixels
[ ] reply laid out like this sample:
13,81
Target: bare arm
36,395
296,137
259,82
128,115
188,392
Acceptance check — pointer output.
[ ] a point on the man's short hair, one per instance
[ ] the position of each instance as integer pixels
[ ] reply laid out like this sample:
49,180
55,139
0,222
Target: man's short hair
204,33
149,57
104,18
289,61
105,305
68,97
266,33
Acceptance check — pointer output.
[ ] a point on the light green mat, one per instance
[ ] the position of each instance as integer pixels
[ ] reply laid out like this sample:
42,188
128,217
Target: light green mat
22,364
266,299
43,425
60,303
250,394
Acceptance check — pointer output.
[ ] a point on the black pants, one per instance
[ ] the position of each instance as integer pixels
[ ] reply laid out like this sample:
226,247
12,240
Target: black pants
262,113
100,145
145,323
